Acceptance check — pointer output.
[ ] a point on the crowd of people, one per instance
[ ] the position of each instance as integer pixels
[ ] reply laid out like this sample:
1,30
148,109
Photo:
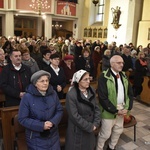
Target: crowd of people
34,72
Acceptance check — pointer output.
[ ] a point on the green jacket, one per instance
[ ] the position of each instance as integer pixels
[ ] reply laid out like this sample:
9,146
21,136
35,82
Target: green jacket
108,96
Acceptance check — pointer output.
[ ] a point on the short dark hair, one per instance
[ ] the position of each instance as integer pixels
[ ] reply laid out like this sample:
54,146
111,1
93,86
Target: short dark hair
45,52
14,50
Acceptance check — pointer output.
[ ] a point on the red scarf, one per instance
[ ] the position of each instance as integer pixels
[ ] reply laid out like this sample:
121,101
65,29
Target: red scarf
143,62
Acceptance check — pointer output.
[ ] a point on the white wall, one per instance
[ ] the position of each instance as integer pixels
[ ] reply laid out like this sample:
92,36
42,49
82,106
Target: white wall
128,20
119,35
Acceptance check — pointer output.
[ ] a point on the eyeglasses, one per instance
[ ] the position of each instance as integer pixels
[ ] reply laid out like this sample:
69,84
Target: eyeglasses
86,79
119,63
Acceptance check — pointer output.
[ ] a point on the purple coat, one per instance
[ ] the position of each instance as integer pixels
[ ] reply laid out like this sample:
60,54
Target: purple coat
34,110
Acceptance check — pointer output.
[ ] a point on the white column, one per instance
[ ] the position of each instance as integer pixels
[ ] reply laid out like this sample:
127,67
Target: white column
13,4
39,26
5,4
79,11
9,24
48,26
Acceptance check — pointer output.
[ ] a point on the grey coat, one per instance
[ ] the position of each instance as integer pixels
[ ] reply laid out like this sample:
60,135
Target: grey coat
83,114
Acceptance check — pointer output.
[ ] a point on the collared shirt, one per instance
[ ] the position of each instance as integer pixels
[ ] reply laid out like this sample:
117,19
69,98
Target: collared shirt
17,67
55,70
120,92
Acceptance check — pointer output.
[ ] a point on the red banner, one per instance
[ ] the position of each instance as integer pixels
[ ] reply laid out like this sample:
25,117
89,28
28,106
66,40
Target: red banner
66,8
1,3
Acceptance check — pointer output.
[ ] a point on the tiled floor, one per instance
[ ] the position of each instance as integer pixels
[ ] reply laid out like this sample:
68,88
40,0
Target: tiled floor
126,141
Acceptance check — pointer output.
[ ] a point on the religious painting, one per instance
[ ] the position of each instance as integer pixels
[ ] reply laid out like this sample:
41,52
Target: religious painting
105,33
100,33
94,33
66,8
89,32
148,34
85,32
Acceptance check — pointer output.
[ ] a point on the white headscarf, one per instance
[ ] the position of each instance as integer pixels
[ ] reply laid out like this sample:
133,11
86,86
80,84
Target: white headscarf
77,76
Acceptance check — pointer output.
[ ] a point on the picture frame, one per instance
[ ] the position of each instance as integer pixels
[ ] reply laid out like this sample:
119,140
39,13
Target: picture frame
94,33
105,33
148,38
89,32
85,32
100,31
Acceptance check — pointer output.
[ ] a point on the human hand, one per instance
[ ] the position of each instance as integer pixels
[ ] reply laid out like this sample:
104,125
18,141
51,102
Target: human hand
94,128
122,112
130,69
47,125
21,94
59,88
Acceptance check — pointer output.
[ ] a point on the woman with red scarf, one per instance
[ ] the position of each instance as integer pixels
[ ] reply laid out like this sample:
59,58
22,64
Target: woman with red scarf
140,72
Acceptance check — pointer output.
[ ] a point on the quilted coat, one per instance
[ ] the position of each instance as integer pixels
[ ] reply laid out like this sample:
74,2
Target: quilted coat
84,113
34,110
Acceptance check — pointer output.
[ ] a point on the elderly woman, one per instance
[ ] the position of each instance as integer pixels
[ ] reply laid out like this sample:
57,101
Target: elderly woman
3,61
28,60
140,71
85,62
69,67
106,60
84,113
40,113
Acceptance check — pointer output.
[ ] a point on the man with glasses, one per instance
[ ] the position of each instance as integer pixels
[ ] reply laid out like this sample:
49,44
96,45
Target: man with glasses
116,99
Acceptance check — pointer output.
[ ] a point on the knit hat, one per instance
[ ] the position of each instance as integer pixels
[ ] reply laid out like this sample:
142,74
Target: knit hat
39,74
77,76
68,57
55,55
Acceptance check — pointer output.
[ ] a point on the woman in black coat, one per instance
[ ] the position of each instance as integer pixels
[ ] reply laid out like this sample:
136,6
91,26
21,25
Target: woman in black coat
85,62
58,79
140,72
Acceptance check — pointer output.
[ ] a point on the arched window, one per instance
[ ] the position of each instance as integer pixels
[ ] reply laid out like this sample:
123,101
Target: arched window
100,13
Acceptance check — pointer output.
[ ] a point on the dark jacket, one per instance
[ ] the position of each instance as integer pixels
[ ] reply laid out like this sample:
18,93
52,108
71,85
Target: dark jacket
42,64
12,82
84,113
81,64
56,80
140,72
34,110
105,62
127,62
68,72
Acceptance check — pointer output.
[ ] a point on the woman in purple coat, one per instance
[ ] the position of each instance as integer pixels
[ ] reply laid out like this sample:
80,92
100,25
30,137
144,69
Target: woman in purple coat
40,113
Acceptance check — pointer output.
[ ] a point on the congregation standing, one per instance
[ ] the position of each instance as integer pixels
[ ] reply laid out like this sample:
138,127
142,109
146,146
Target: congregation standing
61,61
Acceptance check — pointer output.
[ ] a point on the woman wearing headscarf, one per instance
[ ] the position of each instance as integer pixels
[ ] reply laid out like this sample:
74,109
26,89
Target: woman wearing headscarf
84,113
40,113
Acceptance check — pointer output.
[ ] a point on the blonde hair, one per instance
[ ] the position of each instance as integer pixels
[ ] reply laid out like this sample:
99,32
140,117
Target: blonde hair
139,54
106,51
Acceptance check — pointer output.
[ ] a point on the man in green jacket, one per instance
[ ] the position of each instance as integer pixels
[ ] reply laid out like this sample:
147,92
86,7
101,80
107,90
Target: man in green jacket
116,99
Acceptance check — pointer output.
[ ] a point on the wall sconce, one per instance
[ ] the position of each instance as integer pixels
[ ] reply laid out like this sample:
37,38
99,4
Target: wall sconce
116,17
95,2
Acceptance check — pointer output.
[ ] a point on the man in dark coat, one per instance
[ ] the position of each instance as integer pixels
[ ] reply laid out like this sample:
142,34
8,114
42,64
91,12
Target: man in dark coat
14,79
127,59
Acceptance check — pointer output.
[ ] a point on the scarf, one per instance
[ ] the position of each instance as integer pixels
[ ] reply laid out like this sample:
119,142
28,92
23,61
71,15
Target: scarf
143,62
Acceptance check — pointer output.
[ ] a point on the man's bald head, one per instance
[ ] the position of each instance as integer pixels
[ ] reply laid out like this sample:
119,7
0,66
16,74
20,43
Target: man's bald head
116,63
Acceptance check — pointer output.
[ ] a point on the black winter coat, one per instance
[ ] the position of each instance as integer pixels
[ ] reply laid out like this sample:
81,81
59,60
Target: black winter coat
13,81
